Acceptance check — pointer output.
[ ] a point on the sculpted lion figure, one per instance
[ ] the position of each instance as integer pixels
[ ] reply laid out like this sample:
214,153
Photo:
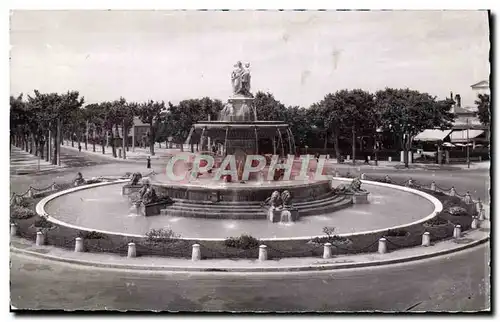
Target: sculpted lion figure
353,187
286,199
274,200
136,177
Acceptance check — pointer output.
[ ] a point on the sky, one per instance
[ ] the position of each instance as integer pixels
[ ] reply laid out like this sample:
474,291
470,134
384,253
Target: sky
297,56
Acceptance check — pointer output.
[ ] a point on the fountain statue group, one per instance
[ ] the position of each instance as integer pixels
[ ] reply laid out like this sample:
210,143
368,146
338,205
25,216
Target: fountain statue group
239,106
240,79
281,208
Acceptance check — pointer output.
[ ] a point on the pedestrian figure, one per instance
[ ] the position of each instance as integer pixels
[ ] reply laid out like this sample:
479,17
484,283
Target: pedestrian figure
149,162
79,148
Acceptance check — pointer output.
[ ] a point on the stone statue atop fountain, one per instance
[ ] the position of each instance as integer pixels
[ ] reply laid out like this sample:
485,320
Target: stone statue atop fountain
240,106
240,79
359,195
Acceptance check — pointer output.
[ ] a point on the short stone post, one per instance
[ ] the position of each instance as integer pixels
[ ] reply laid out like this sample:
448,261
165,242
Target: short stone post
468,198
482,214
30,192
262,252
433,186
13,229
327,251
382,245
337,174
54,187
475,223
40,239
79,245
132,252
426,239
348,157
363,176
390,159
453,192
457,232
196,253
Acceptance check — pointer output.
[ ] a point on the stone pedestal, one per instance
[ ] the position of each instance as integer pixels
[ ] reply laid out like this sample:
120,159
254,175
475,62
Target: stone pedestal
360,198
130,189
240,109
154,209
274,214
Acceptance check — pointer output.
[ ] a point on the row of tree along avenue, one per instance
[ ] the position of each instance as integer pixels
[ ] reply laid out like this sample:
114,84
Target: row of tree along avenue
342,121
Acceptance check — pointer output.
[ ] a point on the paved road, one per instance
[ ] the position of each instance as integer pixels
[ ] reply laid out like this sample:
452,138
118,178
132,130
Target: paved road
453,283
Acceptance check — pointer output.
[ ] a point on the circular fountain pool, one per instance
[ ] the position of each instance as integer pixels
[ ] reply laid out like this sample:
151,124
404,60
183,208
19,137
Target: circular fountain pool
103,208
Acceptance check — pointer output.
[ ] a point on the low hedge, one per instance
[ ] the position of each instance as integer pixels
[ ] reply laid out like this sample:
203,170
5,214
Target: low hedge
248,247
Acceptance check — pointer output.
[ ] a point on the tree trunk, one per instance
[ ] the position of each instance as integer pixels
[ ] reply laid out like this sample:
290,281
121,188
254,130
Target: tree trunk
336,144
151,138
47,140
112,139
103,143
56,147
325,143
124,135
353,145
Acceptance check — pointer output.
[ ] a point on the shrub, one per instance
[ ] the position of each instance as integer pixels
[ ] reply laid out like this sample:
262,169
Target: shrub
20,212
242,242
436,221
42,222
457,211
161,235
397,233
91,235
334,239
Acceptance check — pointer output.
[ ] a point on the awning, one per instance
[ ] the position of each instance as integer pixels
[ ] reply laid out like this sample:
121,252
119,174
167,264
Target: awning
461,136
432,135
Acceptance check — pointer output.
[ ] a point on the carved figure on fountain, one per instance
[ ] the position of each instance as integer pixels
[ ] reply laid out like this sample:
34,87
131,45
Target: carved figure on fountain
353,187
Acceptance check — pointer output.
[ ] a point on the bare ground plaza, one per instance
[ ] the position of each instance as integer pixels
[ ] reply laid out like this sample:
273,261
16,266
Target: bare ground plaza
267,162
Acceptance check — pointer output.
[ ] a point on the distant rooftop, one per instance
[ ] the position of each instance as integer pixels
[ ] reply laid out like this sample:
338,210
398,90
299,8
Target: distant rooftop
481,84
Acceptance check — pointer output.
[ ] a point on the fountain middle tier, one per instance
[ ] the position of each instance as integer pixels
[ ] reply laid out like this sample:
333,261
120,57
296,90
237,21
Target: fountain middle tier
253,137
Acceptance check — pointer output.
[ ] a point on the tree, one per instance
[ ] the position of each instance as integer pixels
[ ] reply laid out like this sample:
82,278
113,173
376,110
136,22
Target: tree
349,109
150,113
268,108
483,108
408,112
19,120
55,109
180,118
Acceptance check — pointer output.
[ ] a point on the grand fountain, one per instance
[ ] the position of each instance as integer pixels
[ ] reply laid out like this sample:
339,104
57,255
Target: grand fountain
203,196
239,133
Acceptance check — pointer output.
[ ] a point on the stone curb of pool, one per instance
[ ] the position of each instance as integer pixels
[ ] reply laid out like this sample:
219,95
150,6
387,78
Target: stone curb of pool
249,269
438,206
